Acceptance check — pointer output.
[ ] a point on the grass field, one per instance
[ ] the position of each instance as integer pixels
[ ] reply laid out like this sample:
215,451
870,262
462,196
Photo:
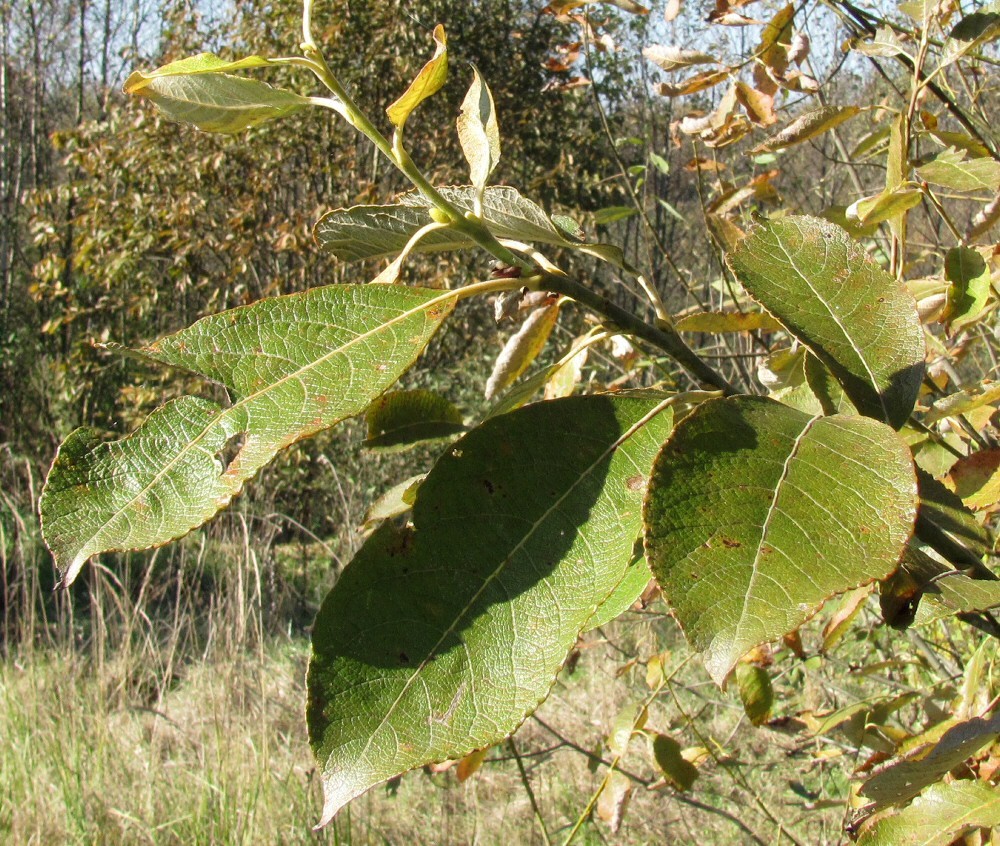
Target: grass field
162,702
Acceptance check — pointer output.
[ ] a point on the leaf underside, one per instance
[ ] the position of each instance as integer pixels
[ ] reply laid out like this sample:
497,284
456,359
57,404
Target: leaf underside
294,365
757,513
441,637
851,314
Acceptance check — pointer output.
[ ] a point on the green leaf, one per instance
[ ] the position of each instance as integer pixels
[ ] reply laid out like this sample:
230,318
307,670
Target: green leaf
756,693
401,419
825,388
364,232
807,126
478,132
972,31
969,276
939,817
718,322
851,314
947,511
663,166
429,81
202,63
394,502
675,768
216,102
294,365
441,638
952,169
757,513
884,205
901,780
611,214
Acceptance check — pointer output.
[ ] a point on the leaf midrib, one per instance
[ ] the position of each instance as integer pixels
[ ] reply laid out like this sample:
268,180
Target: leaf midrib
243,403
491,577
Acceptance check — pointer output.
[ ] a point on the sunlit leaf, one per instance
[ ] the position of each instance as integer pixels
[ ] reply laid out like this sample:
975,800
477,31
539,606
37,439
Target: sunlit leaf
521,349
972,31
900,780
202,63
396,501
851,314
440,638
294,365
432,76
758,105
400,419
807,126
216,102
675,58
885,205
757,513
976,478
696,83
884,44
969,276
478,131
939,817
952,169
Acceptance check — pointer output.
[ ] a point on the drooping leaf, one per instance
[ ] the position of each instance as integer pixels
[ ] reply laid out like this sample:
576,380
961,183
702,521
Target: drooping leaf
478,131
901,780
886,205
216,102
439,639
947,590
756,693
953,169
396,501
758,105
674,58
807,126
401,419
969,276
972,31
428,82
716,322
376,231
851,314
521,349
939,817
294,365
947,511
964,401
757,513
679,772
694,84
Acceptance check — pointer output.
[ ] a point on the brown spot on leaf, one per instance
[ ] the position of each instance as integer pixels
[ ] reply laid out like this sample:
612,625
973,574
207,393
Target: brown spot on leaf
636,482
731,543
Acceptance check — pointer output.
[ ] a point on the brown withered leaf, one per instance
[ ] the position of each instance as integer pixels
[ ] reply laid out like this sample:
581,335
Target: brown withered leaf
698,82
671,10
759,105
806,126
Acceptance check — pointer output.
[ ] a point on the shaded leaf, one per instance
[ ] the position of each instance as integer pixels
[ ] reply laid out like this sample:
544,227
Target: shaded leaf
521,349
807,126
377,231
294,365
756,693
902,779
848,608
851,314
946,510
612,214
521,530
673,766
470,764
972,31
674,58
757,513
952,169
478,131
401,419
716,322
429,81
216,102
940,816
